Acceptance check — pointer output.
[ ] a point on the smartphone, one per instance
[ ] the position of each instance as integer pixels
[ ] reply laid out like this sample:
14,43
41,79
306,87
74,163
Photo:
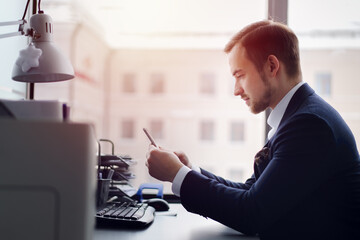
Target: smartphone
149,136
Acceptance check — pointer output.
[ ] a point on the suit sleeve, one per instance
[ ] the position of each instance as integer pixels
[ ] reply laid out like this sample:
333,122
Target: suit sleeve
301,148
249,182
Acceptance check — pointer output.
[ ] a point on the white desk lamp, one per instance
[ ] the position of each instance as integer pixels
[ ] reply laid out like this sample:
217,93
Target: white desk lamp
41,61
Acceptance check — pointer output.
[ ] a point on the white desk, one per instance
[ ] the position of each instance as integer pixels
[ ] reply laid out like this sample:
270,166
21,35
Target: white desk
184,226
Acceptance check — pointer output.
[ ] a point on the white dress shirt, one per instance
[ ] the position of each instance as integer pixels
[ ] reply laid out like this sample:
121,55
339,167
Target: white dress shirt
278,112
274,120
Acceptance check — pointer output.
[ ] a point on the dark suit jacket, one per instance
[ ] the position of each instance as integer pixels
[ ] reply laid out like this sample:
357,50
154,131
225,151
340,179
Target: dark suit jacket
307,188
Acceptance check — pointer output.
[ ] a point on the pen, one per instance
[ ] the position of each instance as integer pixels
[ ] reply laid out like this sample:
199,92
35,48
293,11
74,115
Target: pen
150,138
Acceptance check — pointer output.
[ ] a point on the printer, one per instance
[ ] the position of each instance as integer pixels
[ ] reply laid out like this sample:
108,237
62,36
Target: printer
47,179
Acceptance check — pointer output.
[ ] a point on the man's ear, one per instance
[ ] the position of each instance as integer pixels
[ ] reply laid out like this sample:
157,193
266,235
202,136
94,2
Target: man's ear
272,65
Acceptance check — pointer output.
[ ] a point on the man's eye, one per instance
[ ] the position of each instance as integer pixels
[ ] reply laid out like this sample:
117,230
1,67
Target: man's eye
239,76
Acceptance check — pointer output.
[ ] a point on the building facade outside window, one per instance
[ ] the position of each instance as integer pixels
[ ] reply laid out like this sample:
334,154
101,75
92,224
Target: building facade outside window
157,129
128,83
207,130
323,83
127,129
236,173
237,131
157,83
207,84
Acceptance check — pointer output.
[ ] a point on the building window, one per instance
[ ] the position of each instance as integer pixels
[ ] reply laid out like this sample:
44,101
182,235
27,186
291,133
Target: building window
323,83
128,129
157,129
157,83
207,84
128,83
237,131
207,130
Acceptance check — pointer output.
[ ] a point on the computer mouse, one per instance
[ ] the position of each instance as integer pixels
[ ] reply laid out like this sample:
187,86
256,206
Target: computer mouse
159,204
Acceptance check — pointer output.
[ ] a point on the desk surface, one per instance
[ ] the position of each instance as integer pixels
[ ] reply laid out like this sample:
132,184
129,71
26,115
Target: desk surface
184,226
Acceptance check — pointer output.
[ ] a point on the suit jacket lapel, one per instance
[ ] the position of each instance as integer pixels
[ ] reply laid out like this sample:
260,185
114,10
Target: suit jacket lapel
301,94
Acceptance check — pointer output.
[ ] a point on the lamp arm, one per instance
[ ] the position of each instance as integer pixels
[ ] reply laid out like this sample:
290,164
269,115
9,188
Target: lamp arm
21,24
12,23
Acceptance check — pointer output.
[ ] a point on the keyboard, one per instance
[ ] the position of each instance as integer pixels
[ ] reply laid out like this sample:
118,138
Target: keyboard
125,214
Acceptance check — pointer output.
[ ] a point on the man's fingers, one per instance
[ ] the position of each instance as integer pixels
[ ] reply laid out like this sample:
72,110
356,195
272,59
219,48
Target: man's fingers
151,147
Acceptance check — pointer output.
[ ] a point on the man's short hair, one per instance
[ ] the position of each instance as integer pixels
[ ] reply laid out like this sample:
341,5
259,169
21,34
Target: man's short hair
264,38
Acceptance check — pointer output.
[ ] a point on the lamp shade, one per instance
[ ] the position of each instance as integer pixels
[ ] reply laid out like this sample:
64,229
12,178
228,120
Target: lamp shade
52,66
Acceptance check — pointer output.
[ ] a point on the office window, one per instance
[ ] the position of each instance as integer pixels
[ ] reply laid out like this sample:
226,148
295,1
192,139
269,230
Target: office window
198,54
128,129
157,83
237,131
128,83
207,130
236,174
157,129
207,84
231,85
323,83
9,49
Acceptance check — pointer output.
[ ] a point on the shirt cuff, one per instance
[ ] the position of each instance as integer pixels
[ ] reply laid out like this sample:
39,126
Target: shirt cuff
178,180
196,168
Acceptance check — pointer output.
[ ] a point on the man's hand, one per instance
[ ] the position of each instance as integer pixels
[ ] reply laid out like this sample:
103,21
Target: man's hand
183,158
162,164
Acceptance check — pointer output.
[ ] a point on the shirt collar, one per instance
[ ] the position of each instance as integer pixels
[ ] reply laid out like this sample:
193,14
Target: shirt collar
278,112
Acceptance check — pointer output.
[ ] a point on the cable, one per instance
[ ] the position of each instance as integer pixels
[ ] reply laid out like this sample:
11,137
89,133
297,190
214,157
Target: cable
39,11
27,5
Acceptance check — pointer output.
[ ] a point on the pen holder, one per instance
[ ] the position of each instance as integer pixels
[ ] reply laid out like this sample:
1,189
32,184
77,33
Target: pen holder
102,191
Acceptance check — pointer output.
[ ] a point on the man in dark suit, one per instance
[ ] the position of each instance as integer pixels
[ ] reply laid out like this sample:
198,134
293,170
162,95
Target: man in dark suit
306,181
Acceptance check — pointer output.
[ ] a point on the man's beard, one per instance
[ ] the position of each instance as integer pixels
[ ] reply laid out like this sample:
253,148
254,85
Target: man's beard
264,101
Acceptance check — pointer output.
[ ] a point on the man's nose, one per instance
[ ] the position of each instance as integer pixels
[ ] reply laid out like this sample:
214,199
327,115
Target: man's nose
238,90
